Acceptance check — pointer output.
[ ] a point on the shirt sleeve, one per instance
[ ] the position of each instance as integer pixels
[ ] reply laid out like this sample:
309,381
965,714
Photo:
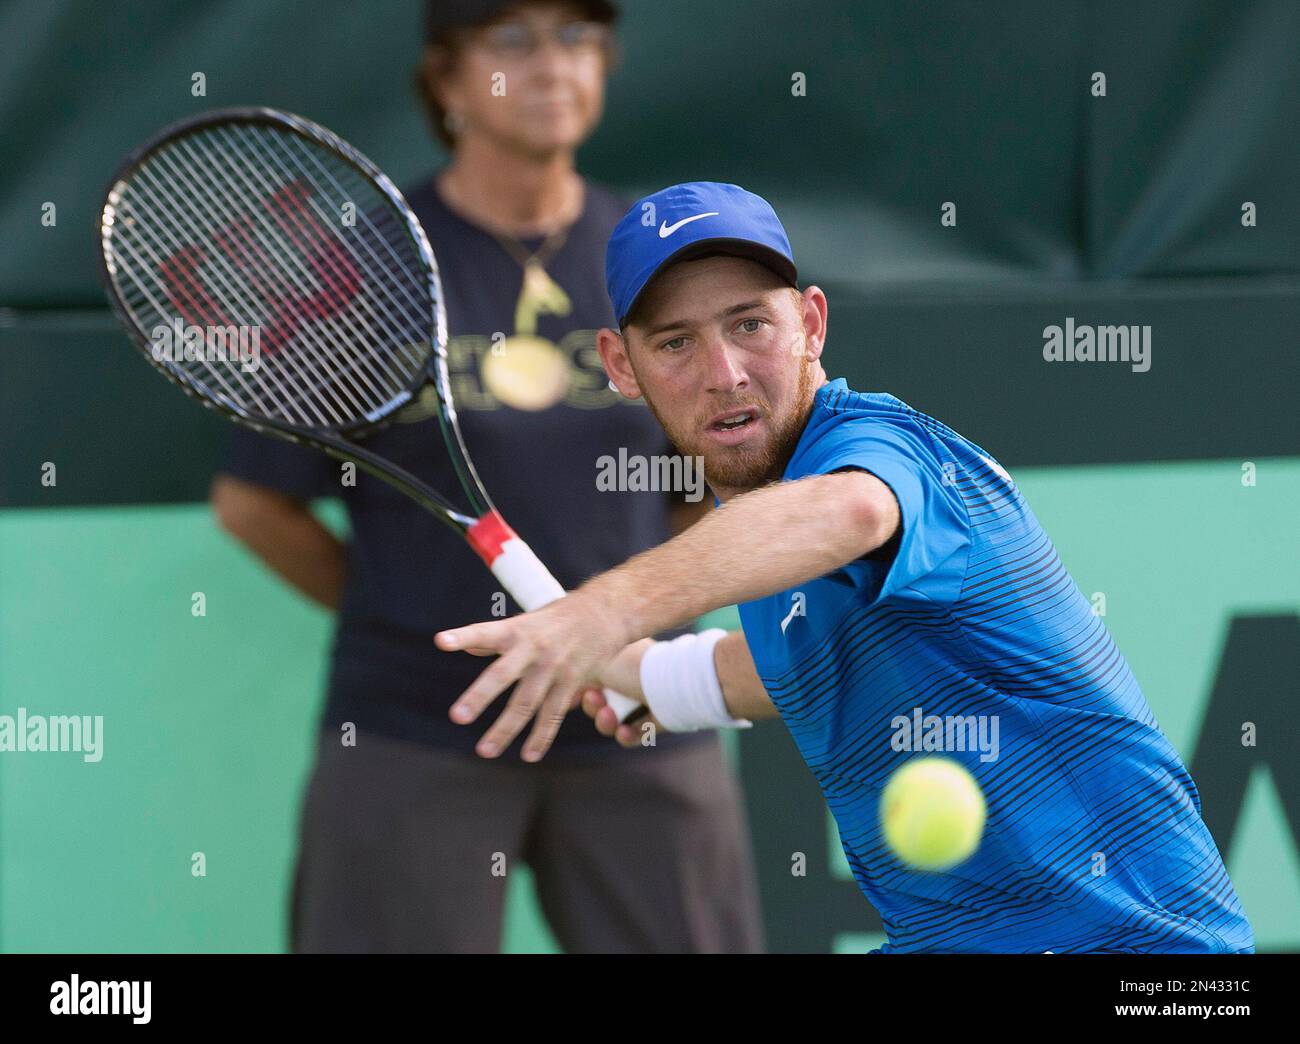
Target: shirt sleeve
266,460
930,560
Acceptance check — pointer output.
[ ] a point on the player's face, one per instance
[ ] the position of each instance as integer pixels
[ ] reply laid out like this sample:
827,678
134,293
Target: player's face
533,79
727,358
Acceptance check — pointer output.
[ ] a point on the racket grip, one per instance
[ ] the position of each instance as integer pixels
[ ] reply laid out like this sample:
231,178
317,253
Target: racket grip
528,581
624,706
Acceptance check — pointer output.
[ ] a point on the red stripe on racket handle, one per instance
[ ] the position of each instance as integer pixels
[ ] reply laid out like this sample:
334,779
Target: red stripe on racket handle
528,582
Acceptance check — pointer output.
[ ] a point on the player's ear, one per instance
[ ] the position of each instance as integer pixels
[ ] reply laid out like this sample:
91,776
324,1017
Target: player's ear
813,302
613,353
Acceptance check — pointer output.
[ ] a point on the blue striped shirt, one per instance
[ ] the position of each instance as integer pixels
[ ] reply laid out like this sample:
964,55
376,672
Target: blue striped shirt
969,626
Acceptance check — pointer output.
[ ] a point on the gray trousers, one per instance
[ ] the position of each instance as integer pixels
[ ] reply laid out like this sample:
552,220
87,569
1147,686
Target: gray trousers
407,849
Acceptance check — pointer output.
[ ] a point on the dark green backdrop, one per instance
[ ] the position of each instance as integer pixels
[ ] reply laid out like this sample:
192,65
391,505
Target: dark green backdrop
1113,210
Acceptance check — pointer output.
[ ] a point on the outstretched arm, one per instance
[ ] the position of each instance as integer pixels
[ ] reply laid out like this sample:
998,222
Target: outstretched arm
760,543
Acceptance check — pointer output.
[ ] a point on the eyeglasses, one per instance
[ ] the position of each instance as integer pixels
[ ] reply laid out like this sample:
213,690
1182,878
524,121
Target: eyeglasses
521,40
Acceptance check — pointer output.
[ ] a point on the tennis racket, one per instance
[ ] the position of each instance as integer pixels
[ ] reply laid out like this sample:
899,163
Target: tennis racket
278,276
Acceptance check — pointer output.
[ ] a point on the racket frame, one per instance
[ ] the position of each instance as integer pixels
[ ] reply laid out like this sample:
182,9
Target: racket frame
338,441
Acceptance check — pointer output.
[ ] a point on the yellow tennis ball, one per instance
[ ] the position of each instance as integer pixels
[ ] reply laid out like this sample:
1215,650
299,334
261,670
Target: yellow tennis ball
932,813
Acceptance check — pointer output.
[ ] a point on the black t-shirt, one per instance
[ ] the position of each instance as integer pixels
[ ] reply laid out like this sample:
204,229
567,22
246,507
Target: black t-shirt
537,412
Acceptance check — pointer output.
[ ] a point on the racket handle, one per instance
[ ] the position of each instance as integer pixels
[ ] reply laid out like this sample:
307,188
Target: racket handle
528,581
625,707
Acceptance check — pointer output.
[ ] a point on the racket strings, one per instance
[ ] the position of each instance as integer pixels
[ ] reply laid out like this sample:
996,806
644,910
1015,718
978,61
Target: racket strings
279,234
412,311
312,361
232,292
243,225
398,263
228,298
409,314
137,254
329,274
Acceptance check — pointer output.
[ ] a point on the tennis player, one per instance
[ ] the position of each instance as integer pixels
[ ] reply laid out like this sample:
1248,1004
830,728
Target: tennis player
884,565
408,840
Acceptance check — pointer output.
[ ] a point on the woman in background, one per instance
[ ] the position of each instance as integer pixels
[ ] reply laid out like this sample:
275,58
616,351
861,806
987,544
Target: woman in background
407,835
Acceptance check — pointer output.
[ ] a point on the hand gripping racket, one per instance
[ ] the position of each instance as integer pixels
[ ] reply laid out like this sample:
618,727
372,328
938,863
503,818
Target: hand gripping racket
278,276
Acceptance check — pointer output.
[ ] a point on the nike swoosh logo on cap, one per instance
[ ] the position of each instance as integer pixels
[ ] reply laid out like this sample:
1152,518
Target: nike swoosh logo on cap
666,230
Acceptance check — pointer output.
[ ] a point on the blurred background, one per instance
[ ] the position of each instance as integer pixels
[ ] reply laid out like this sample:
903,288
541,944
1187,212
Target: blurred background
1174,493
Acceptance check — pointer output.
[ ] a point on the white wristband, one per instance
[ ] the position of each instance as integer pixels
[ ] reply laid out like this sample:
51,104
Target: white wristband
681,687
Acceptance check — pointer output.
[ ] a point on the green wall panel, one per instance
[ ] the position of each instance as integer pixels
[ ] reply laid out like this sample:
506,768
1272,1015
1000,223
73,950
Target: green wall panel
208,720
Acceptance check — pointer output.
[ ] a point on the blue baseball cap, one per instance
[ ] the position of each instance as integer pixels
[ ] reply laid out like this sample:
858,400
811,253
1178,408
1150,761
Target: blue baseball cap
688,221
